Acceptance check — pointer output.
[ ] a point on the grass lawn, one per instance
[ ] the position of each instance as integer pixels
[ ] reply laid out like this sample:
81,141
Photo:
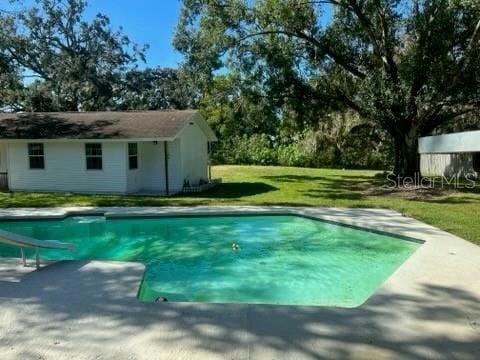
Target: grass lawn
457,212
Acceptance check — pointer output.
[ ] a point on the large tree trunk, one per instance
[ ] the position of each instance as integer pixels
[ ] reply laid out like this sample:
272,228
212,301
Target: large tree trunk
407,162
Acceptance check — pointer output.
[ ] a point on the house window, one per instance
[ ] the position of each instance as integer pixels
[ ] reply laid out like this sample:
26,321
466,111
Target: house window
133,156
36,156
93,153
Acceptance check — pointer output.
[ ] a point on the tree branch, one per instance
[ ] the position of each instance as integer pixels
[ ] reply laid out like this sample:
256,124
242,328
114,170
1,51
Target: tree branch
381,48
36,67
455,80
301,35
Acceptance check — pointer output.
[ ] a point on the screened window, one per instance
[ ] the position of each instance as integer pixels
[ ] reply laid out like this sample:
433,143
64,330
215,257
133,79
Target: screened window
36,156
133,156
93,153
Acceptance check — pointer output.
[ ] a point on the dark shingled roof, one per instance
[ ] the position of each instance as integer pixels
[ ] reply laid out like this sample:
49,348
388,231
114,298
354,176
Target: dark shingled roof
94,125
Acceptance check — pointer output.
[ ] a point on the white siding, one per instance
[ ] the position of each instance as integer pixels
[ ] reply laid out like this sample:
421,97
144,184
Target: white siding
175,169
194,149
65,168
3,158
447,165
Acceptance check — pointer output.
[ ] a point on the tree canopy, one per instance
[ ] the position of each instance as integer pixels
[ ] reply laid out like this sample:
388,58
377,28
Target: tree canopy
155,88
79,62
52,59
408,66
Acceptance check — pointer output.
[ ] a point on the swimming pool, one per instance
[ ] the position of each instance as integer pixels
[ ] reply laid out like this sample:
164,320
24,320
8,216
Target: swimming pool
261,259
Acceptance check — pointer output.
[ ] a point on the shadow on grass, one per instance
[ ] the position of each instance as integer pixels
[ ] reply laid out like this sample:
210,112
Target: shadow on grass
455,200
334,178
341,187
227,191
235,190
44,200
361,187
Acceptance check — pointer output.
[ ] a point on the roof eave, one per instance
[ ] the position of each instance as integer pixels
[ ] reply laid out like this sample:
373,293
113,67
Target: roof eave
89,139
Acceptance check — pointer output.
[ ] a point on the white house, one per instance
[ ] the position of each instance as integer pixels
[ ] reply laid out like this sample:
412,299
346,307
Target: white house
104,152
456,154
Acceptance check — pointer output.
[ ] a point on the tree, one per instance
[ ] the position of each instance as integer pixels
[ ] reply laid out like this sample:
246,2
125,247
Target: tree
10,85
155,89
38,97
235,110
10,81
408,66
80,62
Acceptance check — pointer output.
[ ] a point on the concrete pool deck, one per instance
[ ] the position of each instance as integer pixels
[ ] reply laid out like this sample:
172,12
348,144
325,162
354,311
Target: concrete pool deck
429,308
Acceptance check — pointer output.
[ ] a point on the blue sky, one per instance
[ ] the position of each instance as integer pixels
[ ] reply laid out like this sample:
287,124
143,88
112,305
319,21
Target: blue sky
145,21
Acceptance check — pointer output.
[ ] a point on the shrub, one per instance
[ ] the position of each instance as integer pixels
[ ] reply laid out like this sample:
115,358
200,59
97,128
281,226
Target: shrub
305,150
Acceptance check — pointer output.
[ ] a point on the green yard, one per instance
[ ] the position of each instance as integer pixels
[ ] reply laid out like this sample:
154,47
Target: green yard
454,211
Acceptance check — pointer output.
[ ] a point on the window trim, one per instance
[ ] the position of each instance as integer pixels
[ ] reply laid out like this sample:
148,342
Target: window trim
96,156
36,156
132,156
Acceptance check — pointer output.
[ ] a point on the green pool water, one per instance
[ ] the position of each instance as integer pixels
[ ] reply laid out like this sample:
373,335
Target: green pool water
281,259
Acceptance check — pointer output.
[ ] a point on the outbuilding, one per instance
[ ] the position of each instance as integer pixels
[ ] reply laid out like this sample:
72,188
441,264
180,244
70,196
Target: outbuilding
105,152
456,154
